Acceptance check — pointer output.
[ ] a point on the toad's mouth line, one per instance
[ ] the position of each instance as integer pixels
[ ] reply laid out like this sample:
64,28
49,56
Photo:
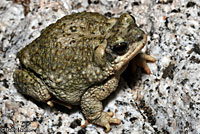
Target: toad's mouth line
131,55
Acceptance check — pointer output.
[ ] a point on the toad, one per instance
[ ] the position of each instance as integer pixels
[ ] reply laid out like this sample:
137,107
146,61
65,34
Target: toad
79,59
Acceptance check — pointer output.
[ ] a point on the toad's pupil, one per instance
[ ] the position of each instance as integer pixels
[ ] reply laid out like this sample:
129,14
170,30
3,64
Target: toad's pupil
121,48
139,37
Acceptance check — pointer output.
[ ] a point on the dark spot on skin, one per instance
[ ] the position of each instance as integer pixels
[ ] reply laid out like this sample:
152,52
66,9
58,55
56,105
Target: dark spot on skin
101,29
73,28
169,71
64,24
55,38
75,123
190,4
66,35
72,42
92,32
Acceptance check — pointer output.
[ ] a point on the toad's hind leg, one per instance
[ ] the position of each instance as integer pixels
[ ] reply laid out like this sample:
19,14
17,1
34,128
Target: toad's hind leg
92,107
28,84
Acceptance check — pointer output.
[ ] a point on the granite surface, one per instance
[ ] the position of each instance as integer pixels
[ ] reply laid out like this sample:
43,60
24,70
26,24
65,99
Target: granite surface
166,101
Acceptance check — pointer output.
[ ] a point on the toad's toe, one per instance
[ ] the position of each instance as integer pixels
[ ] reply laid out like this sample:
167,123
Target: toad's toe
106,119
141,61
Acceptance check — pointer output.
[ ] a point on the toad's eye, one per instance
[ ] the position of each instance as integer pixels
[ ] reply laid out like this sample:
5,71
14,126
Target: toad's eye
120,48
133,18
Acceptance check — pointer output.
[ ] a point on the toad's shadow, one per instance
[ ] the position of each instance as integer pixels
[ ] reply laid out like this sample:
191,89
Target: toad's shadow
56,107
127,80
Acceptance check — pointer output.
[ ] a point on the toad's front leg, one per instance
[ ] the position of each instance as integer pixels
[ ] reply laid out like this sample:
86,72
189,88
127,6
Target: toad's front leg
92,107
141,60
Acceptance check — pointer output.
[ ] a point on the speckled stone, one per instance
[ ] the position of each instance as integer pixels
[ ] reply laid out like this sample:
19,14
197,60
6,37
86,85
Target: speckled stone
167,101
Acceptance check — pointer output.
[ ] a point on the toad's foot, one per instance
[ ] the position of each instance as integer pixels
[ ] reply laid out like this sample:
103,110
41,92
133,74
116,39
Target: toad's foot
106,119
141,60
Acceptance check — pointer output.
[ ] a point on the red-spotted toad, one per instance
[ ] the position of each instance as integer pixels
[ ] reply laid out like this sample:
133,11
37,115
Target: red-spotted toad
78,60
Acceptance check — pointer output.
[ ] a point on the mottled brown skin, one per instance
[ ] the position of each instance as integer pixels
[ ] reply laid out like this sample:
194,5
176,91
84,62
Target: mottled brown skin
78,60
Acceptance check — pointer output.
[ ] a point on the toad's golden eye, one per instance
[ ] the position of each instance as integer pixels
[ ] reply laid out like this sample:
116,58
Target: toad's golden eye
120,48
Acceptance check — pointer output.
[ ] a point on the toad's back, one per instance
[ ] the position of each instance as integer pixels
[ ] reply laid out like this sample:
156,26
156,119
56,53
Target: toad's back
62,56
